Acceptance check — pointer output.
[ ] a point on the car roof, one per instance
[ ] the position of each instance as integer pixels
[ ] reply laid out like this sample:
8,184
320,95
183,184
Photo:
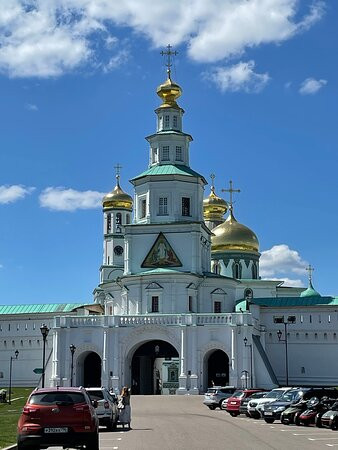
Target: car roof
102,388
59,389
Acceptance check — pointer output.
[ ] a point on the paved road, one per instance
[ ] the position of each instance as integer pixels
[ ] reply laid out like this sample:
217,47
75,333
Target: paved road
184,423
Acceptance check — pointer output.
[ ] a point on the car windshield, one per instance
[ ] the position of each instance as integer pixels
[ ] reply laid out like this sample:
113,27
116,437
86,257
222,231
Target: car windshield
289,396
238,394
57,398
211,391
95,395
274,394
257,395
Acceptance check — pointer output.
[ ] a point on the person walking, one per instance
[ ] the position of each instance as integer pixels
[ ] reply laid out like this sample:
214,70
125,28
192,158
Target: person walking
124,407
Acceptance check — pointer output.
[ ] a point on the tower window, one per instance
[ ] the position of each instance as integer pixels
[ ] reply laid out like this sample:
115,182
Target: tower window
128,218
248,294
163,206
154,304
174,121
166,121
155,155
165,153
254,271
108,223
217,307
185,206
190,307
118,219
179,153
237,270
143,208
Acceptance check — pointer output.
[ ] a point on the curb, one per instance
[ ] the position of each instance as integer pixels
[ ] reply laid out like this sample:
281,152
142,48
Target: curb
11,447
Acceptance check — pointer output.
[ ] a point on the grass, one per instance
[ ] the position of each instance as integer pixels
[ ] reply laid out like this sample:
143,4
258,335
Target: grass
9,415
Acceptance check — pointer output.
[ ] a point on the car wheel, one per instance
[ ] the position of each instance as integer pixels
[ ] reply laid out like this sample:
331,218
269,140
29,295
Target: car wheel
234,414
269,420
247,414
93,442
333,424
255,415
283,421
296,419
212,407
318,421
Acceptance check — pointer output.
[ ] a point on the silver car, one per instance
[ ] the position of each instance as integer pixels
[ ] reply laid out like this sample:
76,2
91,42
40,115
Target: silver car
215,395
106,410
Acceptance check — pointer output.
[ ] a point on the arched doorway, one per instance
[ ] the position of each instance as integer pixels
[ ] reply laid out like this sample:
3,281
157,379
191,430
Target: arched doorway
92,370
216,368
154,368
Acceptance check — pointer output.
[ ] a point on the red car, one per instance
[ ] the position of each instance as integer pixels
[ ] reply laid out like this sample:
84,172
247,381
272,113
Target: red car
58,417
234,402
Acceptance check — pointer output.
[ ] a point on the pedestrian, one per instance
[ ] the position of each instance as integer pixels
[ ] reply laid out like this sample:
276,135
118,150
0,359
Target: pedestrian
124,407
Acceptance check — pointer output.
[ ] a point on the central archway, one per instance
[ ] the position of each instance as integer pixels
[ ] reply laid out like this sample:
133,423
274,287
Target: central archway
216,368
92,370
152,365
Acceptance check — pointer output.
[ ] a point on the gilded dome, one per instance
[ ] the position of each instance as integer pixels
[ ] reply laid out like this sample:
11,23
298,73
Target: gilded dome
117,198
232,235
214,207
169,93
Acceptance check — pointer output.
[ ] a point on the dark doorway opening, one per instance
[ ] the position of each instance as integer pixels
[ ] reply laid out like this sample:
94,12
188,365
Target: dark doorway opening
92,370
218,369
145,376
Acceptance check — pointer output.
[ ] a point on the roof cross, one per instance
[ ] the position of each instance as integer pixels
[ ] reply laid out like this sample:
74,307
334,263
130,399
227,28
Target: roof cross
212,176
117,168
231,191
169,53
310,269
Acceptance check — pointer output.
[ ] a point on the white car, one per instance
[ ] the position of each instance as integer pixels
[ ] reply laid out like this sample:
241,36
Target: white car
106,410
255,406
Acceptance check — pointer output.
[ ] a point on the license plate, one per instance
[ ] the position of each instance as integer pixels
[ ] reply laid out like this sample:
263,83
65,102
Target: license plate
233,403
56,430
267,413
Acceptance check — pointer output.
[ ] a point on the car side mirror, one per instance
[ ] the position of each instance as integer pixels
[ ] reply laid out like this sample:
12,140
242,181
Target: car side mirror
94,403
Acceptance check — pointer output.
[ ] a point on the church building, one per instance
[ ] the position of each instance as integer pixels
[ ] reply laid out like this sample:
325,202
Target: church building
180,304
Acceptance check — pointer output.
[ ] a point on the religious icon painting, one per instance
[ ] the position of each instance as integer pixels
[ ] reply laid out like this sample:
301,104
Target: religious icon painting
161,254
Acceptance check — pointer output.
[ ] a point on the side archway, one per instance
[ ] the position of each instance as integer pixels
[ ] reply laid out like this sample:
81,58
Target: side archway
89,367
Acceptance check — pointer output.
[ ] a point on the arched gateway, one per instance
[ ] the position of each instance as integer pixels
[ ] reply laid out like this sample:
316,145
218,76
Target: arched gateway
216,368
154,368
89,369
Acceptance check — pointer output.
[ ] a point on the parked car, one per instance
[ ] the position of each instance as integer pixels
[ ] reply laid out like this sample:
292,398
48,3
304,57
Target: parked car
58,417
243,409
255,406
330,418
234,402
215,395
315,408
106,410
272,411
293,411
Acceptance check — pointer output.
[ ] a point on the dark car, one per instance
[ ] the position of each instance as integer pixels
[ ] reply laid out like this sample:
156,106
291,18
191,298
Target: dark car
234,402
330,418
58,417
293,411
243,409
272,411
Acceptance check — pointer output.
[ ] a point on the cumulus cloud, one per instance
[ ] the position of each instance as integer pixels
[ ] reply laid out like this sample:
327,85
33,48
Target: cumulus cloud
116,61
239,77
280,260
61,199
10,194
31,107
49,37
311,86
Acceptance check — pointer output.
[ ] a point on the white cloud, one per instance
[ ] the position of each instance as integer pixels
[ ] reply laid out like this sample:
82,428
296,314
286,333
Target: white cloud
239,77
10,194
31,107
280,259
116,61
46,38
311,86
288,282
61,199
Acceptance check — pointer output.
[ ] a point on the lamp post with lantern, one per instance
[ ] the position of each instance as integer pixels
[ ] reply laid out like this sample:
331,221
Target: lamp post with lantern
44,331
16,353
290,320
72,349
250,346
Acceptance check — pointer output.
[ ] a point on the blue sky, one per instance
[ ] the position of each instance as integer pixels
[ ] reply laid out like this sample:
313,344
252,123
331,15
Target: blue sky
78,85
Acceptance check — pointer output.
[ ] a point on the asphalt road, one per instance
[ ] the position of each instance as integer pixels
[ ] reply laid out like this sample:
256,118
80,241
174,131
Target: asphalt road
184,423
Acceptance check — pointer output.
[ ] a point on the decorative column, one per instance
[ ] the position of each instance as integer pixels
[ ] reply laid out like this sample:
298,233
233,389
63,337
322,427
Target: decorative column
55,370
115,380
182,379
232,374
194,373
104,375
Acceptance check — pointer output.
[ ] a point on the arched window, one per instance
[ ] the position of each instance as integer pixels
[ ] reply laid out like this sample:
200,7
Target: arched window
118,219
128,218
248,294
109,223
237,270
254,271
216,268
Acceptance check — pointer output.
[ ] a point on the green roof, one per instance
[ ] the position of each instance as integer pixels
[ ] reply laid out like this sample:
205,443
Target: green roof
42,308
169,169
310,292
285,302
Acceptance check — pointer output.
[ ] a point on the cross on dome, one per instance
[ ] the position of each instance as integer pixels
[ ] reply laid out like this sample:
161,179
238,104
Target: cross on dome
231,190
310,270
169,53
117,168
212,176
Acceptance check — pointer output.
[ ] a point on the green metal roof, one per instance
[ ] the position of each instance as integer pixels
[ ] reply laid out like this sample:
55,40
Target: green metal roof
285,302
169,169
38,308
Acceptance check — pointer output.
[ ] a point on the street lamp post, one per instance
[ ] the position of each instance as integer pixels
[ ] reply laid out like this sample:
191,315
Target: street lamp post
44,331
72,349
16,353
250,346
290,320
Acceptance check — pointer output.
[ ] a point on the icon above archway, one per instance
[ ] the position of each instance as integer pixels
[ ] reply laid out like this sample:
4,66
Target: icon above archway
161,254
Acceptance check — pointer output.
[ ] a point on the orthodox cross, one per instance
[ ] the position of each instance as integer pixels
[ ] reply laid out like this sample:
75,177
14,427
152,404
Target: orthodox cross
117,168
231,191
310,269
212,176
169,53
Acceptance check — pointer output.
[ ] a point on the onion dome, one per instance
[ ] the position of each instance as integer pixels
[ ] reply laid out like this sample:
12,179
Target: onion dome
169,92
233,236
214,207
310,291
117,198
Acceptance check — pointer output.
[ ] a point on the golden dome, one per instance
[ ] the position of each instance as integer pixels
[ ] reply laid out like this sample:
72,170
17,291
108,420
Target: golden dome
232,235
117,198
214,207
169,93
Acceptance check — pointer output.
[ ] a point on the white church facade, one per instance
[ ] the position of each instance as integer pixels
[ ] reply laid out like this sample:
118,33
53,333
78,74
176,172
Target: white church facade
180,303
